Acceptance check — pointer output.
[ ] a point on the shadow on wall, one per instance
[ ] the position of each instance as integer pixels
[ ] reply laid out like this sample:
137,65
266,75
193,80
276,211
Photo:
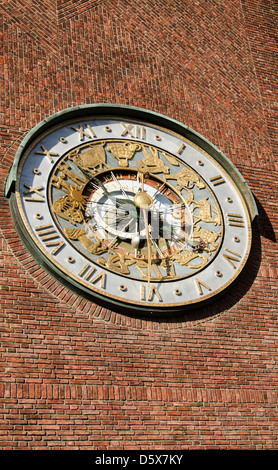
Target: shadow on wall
265,227
240,287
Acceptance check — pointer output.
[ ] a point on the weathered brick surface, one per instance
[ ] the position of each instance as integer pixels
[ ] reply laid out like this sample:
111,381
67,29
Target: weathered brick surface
77,376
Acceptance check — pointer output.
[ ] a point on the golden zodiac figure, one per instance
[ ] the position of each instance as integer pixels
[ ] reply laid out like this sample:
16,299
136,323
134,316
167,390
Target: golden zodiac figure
67,209
184,257
123,152
207,237
91,159
71,206
205,212
186,179
152,162
80,235
117,262
65,174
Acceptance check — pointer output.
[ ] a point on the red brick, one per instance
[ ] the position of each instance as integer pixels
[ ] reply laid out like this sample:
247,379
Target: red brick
75,375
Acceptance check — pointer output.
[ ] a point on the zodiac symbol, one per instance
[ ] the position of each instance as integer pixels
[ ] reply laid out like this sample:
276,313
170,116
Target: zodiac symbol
205,212
123,152
80,235
152,162
117,262
92,158
65,173
207,237
186,179
68,209
183,257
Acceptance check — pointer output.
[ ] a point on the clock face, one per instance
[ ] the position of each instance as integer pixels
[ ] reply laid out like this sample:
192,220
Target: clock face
131,214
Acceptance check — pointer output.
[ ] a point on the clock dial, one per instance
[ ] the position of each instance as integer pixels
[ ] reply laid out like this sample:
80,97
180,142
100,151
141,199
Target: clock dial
131,214
130,220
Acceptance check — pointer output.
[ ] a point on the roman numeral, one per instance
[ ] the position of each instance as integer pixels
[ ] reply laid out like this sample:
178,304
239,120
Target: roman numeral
86,273
37,191
235,220
232,256
83,133
50,237
182,147
201,284
153,292
216,180
137,132
47,153
102,277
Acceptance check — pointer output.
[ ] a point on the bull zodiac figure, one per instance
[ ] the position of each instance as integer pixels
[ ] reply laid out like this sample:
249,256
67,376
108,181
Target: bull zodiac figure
91,159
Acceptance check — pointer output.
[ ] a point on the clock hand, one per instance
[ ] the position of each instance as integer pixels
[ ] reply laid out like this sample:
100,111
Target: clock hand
119,184
158,191
100,184
117,201
141,176
124,228
145,215
156,247
144,202
135,241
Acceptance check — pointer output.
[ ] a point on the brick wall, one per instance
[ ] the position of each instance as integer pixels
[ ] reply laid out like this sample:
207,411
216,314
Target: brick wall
77,376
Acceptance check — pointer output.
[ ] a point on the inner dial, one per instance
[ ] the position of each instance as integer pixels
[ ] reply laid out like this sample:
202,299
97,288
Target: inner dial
127,209
136,210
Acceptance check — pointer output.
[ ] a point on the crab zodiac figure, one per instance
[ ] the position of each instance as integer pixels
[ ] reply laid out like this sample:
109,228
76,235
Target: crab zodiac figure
71,206
187,179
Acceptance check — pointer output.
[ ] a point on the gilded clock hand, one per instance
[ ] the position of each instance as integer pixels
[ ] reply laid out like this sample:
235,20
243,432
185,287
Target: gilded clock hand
141,176
149,245
144,202
135,241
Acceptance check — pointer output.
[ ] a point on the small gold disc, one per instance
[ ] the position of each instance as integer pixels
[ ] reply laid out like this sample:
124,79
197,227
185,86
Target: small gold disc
143,199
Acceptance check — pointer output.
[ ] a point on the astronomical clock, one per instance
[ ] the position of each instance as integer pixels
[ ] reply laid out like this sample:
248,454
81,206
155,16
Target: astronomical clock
131,209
